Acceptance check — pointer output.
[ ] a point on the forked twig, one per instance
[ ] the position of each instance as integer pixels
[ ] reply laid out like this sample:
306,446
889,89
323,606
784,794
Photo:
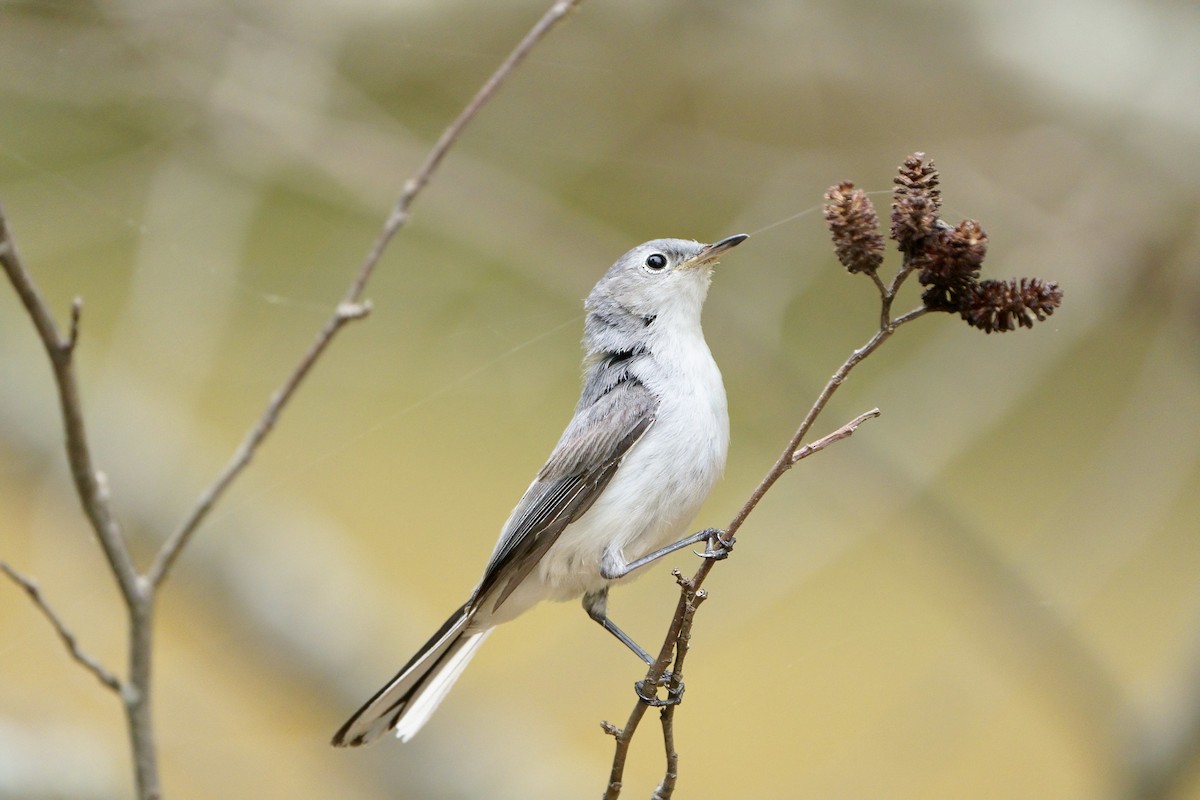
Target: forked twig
68,638
948,260
90,485
352,306
841,433
139,589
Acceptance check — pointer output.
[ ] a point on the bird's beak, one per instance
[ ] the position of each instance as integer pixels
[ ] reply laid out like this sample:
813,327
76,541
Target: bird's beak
711,252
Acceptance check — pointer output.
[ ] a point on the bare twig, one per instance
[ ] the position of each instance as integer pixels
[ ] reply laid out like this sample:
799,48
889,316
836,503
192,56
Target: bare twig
691,598
92,488
68,638
89,485
624,736
841,433
139,590
948,260
680,627
351,307
417,182
169,552
788,458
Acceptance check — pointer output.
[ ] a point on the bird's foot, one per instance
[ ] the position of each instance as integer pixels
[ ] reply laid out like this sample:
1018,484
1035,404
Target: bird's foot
718,547
650,697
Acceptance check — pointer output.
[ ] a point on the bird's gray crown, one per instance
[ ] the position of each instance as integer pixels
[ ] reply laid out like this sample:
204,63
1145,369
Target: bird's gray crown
657,277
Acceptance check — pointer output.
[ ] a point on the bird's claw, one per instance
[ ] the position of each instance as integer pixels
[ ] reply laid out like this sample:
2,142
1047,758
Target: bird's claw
718,546
650,697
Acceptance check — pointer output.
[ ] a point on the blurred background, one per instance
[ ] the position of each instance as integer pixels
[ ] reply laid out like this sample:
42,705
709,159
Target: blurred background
993,591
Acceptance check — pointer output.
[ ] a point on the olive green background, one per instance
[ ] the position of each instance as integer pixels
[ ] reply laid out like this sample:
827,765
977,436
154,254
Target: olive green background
993,591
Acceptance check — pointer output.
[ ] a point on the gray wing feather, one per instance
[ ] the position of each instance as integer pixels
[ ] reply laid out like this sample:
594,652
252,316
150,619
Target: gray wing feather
582,464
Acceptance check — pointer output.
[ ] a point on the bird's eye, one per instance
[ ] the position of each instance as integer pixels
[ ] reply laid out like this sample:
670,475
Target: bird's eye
656,261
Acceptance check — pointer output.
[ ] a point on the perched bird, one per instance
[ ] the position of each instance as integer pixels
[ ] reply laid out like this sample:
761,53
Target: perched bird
646,445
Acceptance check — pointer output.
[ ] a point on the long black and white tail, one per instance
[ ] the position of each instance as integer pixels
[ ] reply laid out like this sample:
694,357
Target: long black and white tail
408,700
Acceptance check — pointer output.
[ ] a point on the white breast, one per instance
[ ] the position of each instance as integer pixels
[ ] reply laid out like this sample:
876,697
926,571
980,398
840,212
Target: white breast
664,478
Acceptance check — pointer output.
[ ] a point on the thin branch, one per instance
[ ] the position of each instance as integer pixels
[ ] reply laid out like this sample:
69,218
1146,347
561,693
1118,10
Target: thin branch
73,330
64,633
885,294
624,736
948,259
692,598
680,627
139,591
785,460
843,432
671,775
89,482
92,488
351,307
175,543
414,185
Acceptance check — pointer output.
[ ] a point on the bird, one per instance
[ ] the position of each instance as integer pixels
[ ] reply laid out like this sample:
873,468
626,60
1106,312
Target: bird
646,444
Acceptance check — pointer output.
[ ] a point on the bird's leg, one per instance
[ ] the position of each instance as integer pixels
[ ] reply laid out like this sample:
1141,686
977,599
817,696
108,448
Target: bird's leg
716,548
596,603
596,606
613,567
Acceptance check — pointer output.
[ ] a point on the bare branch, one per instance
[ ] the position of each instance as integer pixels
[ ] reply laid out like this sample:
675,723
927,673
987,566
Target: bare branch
88,485
139,591
163,561
624,736
417,182
692,599
351,307
68,344
841,433
947,260
68,638
787,459
909,317
678,639
680,628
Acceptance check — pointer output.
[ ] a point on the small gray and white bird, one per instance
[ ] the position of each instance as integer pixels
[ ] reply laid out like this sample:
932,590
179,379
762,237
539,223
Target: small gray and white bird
646,445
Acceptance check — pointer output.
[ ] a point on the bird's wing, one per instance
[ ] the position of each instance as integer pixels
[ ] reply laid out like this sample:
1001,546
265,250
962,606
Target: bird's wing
585,460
